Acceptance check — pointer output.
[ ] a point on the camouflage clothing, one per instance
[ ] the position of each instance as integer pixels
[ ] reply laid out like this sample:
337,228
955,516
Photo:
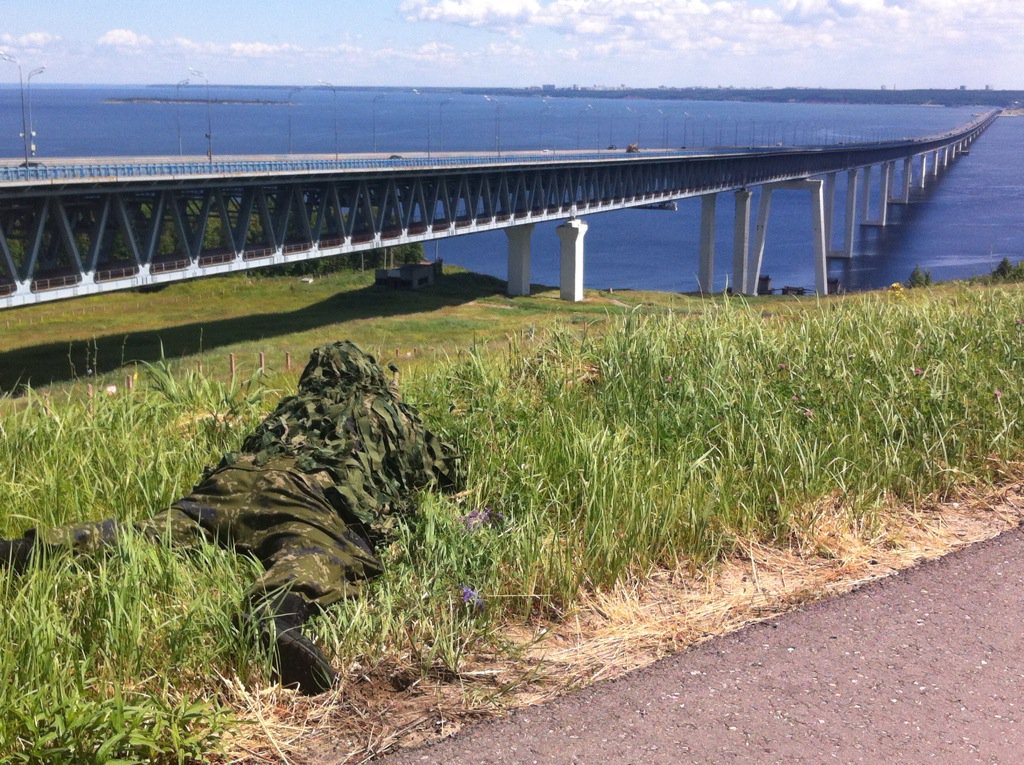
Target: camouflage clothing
314,488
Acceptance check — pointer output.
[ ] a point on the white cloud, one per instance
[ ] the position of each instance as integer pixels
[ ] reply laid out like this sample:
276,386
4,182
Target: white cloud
757,28
32,41
124,39
261,49
472,12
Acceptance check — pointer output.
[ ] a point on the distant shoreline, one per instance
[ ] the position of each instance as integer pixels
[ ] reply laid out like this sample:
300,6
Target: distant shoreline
191,101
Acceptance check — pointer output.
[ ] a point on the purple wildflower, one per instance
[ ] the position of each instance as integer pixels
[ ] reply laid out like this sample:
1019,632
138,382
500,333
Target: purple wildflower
480,517
997,393
471,598
918,372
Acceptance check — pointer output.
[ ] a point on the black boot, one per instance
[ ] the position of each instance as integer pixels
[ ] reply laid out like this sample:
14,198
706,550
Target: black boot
15,553
297,661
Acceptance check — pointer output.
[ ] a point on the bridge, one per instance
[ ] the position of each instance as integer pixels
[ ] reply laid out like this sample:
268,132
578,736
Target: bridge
76,227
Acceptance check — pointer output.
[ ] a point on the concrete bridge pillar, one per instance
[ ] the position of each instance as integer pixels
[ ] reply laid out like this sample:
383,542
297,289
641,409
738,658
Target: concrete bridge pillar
865,199
935,164
817,192
571,234
830,207
885,194
741,240
764,208
850,221
519,259
908,173
924,169
706,274
818,233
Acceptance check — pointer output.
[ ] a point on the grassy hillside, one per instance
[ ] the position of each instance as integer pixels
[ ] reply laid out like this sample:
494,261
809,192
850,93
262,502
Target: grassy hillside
602,441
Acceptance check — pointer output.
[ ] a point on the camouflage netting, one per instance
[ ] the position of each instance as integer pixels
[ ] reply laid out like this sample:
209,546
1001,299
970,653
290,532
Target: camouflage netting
314,488
346,419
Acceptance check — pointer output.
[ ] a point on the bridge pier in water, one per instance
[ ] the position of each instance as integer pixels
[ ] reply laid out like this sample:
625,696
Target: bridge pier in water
816,188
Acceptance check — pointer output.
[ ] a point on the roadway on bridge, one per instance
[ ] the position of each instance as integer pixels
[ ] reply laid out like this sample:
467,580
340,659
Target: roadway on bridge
924,666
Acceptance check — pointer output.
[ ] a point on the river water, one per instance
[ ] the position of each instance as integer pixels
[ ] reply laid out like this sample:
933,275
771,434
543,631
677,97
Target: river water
960,227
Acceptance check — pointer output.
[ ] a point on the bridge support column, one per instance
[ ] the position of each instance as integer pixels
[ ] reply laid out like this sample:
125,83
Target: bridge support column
850,221
830,207
741,240
706,274
885,194
571,234
935,164
818,232
519,259
865,200
764,208
908,172
924,170
817,191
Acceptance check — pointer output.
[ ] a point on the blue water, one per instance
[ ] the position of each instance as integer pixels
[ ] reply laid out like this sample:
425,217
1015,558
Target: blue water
960,227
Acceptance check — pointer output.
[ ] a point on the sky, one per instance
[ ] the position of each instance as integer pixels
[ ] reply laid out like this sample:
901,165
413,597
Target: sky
520,43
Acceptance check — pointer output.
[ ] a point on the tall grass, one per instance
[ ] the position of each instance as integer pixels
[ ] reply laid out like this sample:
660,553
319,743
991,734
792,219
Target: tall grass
593,453
118,657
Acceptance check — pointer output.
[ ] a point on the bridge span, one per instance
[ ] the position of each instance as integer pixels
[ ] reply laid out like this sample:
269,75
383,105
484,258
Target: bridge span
76,227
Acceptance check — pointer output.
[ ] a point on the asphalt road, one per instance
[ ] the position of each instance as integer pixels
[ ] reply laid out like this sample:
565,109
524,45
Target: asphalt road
922,667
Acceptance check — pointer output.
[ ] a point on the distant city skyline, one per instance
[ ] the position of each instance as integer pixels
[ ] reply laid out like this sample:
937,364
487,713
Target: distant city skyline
899,44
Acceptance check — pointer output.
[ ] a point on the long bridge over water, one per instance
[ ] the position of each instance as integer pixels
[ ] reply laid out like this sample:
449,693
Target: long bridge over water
76,227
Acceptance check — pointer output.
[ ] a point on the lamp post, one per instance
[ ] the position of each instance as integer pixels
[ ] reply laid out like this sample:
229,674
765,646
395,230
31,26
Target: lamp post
177,110
440,123
418,93
209,119
21,83
28,97
373,109
291,92
497,123
334,90
579,127
639,122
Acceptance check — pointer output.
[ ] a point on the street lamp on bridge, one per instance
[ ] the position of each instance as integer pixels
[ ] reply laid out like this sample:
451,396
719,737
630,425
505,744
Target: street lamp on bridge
27,133
291,92
177,110
28,97
440,123
373,109
209,119
497,122
334,90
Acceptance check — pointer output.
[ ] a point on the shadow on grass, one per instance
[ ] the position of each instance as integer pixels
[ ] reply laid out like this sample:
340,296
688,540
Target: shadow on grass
48,363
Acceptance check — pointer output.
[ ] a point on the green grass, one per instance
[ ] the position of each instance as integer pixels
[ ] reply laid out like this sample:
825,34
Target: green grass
602,441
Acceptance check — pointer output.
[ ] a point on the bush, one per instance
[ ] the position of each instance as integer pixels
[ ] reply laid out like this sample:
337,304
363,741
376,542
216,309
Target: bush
919,278
1008,272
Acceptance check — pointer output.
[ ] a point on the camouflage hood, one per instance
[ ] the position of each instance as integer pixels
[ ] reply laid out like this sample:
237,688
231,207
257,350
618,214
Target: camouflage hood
346,419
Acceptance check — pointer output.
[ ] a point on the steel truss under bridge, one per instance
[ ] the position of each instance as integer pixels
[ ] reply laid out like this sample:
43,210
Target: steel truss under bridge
81,227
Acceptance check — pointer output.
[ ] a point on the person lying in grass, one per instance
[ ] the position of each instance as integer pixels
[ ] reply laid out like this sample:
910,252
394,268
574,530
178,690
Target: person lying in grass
311,493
